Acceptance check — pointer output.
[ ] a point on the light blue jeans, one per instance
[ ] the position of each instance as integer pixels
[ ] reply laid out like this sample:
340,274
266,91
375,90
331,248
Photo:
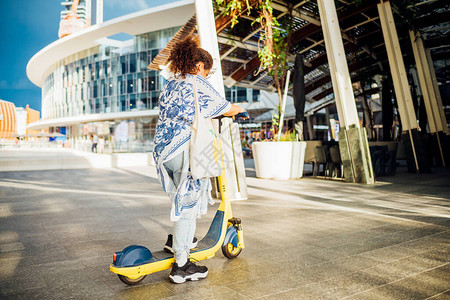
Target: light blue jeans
184,228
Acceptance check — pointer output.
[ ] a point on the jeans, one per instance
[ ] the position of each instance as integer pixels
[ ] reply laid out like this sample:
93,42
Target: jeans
183,229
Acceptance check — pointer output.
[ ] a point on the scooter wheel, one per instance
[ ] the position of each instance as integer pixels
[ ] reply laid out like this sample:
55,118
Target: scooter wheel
230,251
131,281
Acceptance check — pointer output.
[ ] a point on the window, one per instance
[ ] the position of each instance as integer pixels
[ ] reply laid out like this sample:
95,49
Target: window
106,106
132,101
123,103
132,63
256,95
97,105
110,87
155,98
114,65
143,61
152,81
91,106
106,67
95,90
130,84
123,65
241,94
97,70
228,94
143,103
92,70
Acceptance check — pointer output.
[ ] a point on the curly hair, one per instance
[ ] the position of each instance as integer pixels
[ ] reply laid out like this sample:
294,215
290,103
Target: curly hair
186,54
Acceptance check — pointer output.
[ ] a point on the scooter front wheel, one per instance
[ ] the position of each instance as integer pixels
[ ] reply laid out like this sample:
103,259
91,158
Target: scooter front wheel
131,281
230,251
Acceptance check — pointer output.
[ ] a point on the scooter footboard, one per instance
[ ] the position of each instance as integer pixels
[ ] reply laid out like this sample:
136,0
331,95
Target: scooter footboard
212,238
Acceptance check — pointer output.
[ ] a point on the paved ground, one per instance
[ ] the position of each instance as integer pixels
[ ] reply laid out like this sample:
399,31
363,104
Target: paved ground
306,239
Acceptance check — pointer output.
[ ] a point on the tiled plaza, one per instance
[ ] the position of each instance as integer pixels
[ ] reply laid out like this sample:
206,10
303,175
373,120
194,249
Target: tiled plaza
306,239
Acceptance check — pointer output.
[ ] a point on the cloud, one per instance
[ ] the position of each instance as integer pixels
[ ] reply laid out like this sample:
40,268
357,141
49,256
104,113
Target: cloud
21,84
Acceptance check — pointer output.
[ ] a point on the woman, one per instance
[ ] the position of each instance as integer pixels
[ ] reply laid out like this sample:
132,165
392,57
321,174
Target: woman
188,62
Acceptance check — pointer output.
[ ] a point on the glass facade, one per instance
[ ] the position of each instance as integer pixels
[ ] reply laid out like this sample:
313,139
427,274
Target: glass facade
239,94
106,79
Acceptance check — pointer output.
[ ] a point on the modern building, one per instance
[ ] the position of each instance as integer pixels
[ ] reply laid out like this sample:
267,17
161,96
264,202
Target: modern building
83,10
7,120
14,121
93,83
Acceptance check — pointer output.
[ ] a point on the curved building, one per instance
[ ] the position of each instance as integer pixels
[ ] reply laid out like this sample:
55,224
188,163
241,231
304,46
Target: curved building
94,84
7,120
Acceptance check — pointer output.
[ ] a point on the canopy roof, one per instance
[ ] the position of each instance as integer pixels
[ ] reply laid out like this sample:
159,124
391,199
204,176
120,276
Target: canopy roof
361,31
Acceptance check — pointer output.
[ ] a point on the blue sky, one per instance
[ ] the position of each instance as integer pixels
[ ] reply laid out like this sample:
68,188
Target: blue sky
28,26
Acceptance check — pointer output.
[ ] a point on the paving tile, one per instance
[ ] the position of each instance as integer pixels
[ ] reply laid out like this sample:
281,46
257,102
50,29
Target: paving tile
22,280
420,286
215,292
403,268
442,296
268,285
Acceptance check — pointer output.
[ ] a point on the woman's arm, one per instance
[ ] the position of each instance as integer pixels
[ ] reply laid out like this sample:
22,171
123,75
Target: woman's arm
234,110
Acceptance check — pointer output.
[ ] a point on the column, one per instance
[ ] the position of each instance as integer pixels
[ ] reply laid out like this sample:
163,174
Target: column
236,185
431,95
437,92
413,139
206,27
99,18
353,143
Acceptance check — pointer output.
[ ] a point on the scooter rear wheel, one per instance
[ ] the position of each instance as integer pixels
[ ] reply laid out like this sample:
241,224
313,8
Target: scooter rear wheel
230,251
131,281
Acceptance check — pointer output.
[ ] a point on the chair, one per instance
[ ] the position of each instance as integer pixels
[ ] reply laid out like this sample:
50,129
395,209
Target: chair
320,157
336,162
379,156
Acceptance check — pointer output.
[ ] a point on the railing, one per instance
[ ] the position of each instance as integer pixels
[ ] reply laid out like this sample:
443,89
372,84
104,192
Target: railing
30,144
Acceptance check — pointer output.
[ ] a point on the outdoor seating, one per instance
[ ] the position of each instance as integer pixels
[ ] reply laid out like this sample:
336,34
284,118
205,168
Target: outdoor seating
383,160
320,157
336,162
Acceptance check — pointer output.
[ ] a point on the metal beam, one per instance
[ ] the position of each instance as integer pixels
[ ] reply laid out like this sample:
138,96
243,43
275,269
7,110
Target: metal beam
299,13
235,41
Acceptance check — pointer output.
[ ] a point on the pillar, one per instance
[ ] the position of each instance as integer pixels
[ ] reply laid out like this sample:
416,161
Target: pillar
431,95
99,18
415,146
236,187
310,127
206,28
353,143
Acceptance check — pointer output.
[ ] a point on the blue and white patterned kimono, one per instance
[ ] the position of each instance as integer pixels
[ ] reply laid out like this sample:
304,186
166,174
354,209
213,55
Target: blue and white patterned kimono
173,132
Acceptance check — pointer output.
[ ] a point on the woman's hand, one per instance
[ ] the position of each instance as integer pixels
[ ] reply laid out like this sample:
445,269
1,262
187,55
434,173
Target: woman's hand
235,109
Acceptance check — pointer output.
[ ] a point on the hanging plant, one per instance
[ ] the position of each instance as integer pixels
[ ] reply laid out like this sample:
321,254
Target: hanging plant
234,8
274,43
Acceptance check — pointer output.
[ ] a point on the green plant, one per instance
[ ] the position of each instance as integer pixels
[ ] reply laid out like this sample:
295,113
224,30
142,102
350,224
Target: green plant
289,136
274,43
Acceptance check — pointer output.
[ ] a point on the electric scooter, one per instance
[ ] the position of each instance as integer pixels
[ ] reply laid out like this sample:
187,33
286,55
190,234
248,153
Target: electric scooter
135,262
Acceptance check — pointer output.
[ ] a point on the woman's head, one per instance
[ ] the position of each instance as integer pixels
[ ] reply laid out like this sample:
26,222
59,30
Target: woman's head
187,57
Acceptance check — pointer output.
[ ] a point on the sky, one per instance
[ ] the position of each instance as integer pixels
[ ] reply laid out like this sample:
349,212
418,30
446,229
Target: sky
28,26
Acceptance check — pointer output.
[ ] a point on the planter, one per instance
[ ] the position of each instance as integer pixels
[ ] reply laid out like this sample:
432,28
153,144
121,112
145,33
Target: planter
279,160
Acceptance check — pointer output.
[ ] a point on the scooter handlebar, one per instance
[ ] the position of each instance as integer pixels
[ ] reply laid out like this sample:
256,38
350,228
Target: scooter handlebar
243,115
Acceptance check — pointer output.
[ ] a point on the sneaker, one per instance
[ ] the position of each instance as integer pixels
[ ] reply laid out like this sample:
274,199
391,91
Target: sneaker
168,246
189,271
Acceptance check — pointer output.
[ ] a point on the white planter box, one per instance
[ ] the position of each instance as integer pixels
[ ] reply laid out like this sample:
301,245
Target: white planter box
279,160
